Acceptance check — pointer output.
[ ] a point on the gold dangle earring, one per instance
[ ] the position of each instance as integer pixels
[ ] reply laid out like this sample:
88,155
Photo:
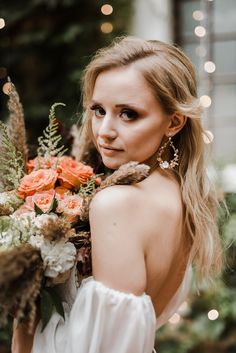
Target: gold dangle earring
173,162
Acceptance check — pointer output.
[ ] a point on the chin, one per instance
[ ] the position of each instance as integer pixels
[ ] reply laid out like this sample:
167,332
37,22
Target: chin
112,164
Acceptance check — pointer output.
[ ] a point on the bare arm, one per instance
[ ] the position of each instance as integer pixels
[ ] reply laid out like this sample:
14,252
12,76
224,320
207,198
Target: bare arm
22,341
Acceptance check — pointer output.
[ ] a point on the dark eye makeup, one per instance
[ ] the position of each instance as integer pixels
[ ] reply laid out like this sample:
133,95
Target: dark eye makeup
126,113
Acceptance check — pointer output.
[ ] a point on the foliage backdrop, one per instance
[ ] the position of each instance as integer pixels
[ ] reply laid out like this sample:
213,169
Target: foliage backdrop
44,48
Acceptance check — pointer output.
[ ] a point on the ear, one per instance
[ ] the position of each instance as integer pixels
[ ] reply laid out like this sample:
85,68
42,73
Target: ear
177,122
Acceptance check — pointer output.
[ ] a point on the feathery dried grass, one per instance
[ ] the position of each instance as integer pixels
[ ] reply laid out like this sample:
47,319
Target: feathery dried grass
129,173
16,123
21,273
55,229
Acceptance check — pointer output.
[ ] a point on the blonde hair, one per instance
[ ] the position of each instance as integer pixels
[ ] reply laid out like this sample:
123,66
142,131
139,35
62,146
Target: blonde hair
171,76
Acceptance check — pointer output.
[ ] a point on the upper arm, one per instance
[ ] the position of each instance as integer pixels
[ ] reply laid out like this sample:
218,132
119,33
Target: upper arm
117,243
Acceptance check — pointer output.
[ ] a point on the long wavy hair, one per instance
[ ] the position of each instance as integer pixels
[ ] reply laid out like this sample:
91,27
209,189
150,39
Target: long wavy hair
172,78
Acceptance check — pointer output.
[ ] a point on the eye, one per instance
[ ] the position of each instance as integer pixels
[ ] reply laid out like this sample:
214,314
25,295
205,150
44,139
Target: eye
129,114
99,112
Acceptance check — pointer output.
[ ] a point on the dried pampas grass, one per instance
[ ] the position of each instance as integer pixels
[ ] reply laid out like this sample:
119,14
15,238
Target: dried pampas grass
129,173
16,122
21,274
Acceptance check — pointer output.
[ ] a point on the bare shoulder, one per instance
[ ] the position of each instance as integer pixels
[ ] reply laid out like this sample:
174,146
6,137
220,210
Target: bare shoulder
117,245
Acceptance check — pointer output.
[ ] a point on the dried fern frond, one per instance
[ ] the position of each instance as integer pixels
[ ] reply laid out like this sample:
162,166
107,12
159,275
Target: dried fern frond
16,123
21,274
48,142
11,162
129,173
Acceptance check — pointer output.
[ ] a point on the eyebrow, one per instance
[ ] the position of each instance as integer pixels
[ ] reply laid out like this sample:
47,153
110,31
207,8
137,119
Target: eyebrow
129,105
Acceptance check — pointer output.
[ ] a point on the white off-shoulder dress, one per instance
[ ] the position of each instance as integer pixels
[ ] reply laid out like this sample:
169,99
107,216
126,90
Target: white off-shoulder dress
99,319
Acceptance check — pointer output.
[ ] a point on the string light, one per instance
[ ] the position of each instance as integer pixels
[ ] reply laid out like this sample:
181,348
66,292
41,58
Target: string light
175,319
107,9
200,31
209,66
205,101
213,314
198,15
208,137
2,23
107,27
6,88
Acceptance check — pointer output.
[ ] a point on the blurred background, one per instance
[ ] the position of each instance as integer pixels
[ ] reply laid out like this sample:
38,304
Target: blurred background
44,47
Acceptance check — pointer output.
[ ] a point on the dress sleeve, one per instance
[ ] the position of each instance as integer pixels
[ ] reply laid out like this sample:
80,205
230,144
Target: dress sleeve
102,320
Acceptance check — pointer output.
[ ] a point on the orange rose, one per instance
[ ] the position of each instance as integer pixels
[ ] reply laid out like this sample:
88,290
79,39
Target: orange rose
70,206
73,173
44,163
42,199
39,180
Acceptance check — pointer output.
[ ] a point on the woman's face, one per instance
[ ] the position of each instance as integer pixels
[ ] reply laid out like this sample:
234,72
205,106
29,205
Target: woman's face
128,124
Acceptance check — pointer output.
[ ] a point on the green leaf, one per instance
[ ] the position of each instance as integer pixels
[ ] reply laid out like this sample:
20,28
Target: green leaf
53,205
38,210
46,307
57,302
49,302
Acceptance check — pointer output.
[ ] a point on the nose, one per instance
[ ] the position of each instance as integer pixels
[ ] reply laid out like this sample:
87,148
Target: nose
107,129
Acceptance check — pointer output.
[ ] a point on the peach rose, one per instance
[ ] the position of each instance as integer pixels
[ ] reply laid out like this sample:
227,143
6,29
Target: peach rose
70,206
44,163
73,173
42,199
39,180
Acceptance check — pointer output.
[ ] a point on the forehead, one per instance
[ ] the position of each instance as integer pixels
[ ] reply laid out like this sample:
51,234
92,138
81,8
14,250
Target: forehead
125,84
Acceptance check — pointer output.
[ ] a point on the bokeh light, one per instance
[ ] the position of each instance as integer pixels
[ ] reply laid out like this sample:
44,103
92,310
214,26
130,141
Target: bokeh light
2,23
6,87
213,314
205,101
209,66
106,27
107,9
198,15
200,31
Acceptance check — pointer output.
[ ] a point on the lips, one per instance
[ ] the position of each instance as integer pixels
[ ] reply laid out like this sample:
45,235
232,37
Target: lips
110,148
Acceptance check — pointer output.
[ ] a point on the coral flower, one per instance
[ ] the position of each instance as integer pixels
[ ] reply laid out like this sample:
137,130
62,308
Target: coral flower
73,173
41,162
39,180
71,207
42,199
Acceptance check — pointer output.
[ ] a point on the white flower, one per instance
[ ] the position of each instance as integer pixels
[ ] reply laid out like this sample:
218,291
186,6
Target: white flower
36,241
58,256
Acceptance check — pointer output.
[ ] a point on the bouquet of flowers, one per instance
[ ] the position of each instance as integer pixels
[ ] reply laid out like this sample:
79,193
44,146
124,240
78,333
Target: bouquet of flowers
44,228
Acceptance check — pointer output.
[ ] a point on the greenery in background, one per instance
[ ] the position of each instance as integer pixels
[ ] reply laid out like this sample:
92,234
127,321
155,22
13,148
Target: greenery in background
45,46
196,333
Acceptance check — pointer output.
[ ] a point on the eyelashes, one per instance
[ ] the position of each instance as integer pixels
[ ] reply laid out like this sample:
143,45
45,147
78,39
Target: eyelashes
126,114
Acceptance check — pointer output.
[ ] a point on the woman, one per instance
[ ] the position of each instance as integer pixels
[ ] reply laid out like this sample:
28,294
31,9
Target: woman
140,105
